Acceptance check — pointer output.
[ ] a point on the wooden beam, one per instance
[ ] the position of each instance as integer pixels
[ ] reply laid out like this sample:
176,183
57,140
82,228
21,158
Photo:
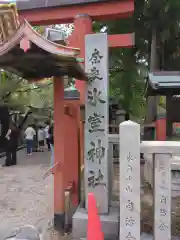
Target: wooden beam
111,10
121,40
118,41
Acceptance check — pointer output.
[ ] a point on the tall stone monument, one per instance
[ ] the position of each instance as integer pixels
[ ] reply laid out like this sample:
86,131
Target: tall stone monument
96,140
96,125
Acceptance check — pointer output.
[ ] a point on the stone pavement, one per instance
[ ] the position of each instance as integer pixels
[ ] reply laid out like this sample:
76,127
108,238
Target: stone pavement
25,197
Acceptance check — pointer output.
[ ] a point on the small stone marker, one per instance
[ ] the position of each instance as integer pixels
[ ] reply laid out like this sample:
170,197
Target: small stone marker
129,181
96,119
162,196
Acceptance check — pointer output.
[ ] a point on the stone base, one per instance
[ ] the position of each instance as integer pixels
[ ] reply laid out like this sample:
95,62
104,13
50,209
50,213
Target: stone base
109,223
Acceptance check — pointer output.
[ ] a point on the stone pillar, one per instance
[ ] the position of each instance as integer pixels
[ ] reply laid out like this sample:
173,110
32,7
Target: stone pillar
129,180
162,196
96,119
110,171
59,209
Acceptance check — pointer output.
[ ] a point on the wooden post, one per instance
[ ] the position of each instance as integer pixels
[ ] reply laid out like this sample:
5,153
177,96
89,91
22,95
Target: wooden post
82,27
96,119
129,180
59,207
162,196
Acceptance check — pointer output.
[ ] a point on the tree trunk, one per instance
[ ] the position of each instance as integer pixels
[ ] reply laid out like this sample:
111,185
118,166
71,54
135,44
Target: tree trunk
24,120
154,65
127,116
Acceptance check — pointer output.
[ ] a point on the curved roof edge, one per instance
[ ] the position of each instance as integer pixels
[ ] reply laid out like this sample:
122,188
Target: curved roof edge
32,4
26,31
162,83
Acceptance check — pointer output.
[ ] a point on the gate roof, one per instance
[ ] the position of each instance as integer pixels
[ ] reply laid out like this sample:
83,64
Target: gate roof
34,4
163,83
43,58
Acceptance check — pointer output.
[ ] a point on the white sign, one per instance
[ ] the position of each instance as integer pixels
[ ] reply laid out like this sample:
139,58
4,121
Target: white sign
96,119
162,196
129,181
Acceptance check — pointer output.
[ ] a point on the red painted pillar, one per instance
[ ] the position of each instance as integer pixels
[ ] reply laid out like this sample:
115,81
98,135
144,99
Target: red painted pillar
59,201
71,149
82,27
161,129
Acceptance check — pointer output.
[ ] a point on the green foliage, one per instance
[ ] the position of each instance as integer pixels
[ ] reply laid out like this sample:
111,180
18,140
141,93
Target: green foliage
19,95
41,95
9,86
127,83
129,67
126,71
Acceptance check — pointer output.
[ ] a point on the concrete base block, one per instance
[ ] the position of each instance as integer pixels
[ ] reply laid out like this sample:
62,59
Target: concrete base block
110,224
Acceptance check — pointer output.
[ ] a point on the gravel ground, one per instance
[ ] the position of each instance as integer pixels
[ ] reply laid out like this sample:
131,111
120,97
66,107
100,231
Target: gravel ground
26,198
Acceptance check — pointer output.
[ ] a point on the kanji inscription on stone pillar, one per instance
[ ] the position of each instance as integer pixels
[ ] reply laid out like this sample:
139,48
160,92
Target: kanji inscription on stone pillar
162,196
96,119
129,133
